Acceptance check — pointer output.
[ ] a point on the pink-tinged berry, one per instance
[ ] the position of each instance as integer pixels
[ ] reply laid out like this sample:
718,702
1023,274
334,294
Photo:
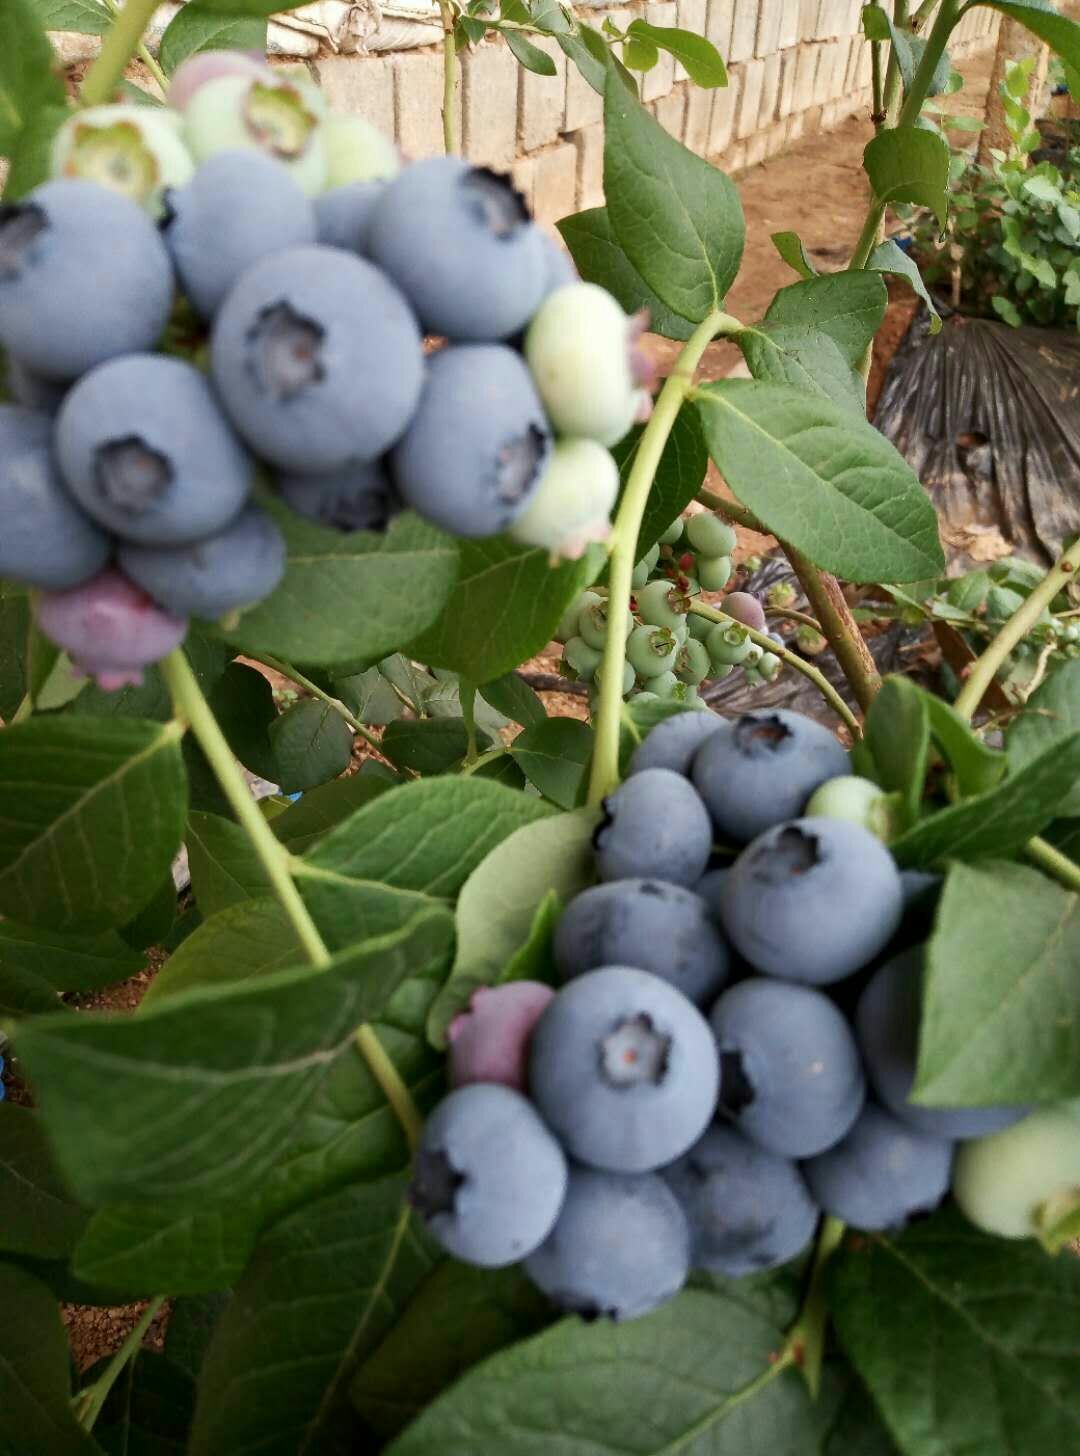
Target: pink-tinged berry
490,1041
109,628
208,66
745,608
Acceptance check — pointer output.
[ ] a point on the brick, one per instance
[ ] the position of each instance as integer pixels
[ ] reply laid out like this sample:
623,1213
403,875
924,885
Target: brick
750,105
823,74
851,70
767,39
699,105
360,87
670,112
418,86
830,116
583,104
725,104
589,142
541,99
718,25
808,19
692,17
805,69
489,96
659,81
865,75
735,160
770,89
776,138
523,176
743,31
789,61
812,120
796,123
755,149
555,182
789,24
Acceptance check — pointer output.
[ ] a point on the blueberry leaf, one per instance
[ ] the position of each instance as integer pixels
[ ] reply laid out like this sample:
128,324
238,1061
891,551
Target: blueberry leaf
41,1218
600,259
143,1249
35,1371
29,78
225,870
910,164
888,257
848,307
196,28
81,17
67,962
679,475
554,756
1050,714
804,358
311,744
897,736
1060,34
702,61
791,248
241,941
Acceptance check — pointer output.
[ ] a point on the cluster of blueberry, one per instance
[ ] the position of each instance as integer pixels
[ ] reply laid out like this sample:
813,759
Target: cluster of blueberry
670,651
349,335
694,1095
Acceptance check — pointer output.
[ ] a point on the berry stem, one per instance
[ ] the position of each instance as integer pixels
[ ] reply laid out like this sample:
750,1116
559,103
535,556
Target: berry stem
88,1402
838,626
792,659
449,121
734,512
604,775
287,670
789,614
1059,865
117,48
143,53
807,1335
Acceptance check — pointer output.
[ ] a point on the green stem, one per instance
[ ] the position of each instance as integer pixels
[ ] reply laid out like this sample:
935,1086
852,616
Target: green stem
90,1401
838,627
734,512
294,675
792,659
471,766
877,104
868,238
936,42
467,697
449,119
1054,862
789,614
143,53
890,96
807,1337
117,48
604,776
984,669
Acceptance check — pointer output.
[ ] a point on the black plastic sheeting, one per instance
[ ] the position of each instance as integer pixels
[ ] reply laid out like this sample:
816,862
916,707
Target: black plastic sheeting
988,417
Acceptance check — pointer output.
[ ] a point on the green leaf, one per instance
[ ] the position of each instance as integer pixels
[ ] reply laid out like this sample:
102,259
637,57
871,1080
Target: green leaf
249,7
67,962
849,307
29,82
351,596
191,1324
694,1376
975,764
341,1271
457,1317
1051,714
791,249
639,53
820,478
35,1378
504,607
679,475
804,358
148,1410
312,744
217,1075
24,994
83,17
244,940
515,699
910,164
143,1249
15,622
554,756
852,1425
196,28
306,821
31,154
1001,1006
1059,33
225,870
155,920
963,1350
897,734
498,902
600,259
370,696
593,68
678,220
242,701
888,257
528,55
93,814
41,1218
427,745
702,61
1001,821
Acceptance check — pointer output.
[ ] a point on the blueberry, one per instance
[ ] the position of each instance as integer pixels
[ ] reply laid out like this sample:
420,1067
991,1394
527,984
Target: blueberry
489,1041
745,608
1024,1179
623,1069
710,888
343,216
748,1209
32,390
109,628
593,622
881,1174
790,1077
620,1247
84,277
812,900
711,534
714,572
571,507
357,497
317,359
265,113
661,605
476,449
559,267
489,1179
649,924
356,151
727,645
211,578
768,669
692,666
137,151
239,207
656,826
673,743
763,768
458,242
582,659
858,800
887,1025
652,651
570,621
208,66
46,540
144,448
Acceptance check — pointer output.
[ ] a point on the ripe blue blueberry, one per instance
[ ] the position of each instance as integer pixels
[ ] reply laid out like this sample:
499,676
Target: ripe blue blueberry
790,1077
343,215
763,768
559,267
46,540
357,497
233,569
887,1025
620,1247
477,447
673,743
649,924
710,888
145,450
882,1173
654,826
109,628
33,391
623,1069
812,900
459,243
239,207
84,277
489,1179
317,359
748,1209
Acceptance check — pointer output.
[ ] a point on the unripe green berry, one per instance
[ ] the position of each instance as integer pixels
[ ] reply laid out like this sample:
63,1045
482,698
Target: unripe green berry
627,682
692,664
857,800
356,151
578,347
640,575
673,533
665,684
652,650
138,151
593,623
728,646
769,666
754,656
698,627
568,622
780,595
714,572
1020,1182
810,642
658,605
279,116
711,535
582,658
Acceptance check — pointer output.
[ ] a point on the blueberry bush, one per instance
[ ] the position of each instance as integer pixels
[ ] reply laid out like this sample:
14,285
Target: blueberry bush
666,1082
